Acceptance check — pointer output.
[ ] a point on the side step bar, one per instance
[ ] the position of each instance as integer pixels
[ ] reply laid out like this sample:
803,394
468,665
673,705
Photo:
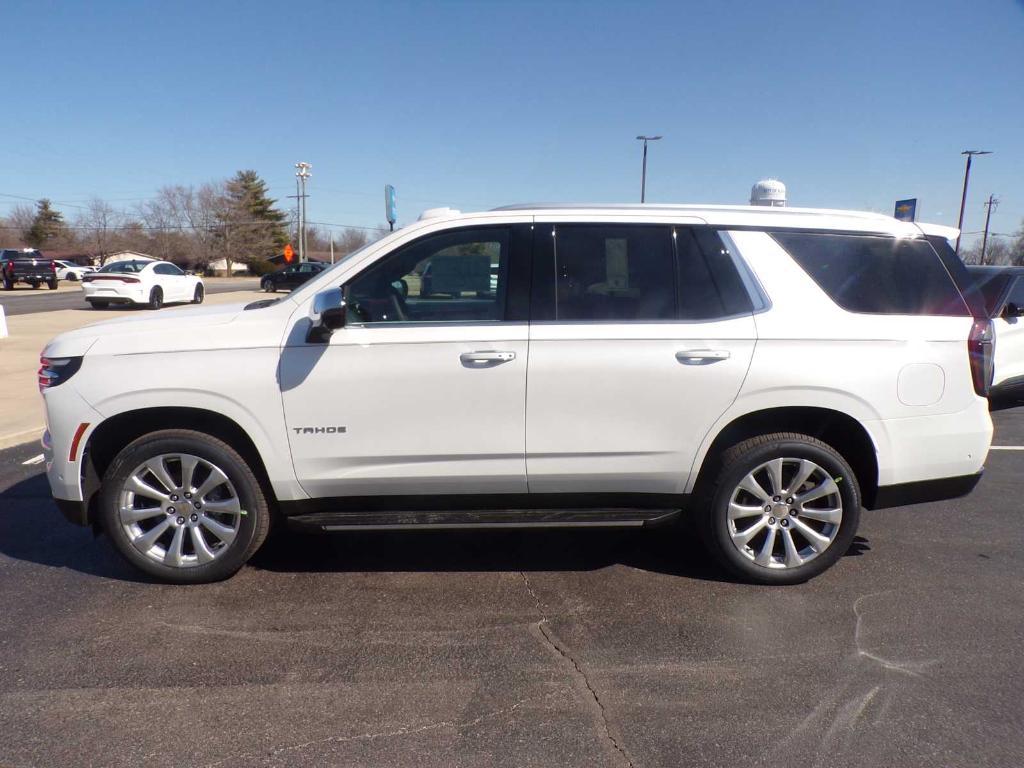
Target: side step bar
483,518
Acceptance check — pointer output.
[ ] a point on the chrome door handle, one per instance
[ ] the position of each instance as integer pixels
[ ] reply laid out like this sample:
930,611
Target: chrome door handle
488,356
701,356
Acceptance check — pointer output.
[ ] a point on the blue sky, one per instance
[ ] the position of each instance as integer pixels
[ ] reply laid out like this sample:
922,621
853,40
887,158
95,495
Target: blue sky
852,104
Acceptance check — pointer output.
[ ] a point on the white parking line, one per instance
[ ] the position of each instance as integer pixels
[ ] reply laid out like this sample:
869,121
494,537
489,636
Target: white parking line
1007,447
34,460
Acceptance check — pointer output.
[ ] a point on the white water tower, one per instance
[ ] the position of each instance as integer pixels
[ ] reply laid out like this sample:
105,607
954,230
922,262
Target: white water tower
769,192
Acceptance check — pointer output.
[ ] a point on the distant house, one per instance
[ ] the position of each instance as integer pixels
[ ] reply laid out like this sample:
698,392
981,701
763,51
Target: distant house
219,267
128,256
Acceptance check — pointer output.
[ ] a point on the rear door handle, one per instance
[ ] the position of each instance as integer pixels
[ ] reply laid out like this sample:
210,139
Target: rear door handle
701,356
489,356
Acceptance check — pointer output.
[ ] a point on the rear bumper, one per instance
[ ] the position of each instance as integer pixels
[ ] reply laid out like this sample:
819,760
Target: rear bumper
925,491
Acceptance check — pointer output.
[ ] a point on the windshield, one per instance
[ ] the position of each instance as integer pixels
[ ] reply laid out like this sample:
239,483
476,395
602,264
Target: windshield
125,266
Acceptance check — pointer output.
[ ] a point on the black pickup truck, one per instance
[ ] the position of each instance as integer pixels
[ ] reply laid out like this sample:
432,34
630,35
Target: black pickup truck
26,266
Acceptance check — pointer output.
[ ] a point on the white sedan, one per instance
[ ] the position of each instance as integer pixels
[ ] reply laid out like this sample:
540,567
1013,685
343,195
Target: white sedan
137,281
68,270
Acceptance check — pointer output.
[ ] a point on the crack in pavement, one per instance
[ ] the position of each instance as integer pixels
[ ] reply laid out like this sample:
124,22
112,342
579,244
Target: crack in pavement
549,638
912,668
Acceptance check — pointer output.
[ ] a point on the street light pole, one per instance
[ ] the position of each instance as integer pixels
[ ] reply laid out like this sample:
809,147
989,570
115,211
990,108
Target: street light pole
963,199
643,174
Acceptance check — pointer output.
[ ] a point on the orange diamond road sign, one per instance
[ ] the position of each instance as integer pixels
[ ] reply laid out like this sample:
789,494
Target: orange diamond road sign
289,254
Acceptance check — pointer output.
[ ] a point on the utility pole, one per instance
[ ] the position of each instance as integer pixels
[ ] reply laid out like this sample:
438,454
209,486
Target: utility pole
300,192
993,202
963,200
332,248
643,174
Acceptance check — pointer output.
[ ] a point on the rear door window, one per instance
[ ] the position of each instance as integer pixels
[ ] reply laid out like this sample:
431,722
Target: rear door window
876,274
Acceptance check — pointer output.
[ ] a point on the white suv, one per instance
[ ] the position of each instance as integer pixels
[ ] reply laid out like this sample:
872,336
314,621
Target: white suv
753,375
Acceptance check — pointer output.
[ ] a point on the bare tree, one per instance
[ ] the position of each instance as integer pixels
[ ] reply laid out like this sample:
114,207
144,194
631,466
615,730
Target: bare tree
99,228
19,220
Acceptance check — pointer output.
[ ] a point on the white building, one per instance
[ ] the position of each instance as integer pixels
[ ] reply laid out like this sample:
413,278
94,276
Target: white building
128,256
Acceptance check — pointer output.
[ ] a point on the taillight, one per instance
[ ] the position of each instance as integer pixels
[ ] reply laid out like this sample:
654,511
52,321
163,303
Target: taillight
10,267
53,267
56,370
980,352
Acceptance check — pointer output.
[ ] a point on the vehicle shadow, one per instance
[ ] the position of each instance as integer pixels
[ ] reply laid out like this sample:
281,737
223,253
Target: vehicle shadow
33,530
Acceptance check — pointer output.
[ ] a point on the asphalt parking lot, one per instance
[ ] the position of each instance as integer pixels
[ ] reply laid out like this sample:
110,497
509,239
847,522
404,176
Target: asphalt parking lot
520,648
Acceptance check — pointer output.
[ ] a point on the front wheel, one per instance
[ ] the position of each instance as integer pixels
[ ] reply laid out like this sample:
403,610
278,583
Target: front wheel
197,297
268,285
784,509
156,298
184,507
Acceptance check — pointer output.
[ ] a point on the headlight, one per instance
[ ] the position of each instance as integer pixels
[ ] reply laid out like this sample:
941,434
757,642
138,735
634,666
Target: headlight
57,370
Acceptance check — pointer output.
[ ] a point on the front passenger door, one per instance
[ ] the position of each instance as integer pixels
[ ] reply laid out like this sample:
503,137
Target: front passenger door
418,395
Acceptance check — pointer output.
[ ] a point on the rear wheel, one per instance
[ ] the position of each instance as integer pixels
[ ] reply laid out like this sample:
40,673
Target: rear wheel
156,298
8,284
52,284
784,509
184,507
71,277
200,293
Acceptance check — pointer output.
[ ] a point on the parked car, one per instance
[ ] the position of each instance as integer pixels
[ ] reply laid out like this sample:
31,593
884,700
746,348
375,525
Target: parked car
26,265
1003,292
68,270
752,375
148,282
292,276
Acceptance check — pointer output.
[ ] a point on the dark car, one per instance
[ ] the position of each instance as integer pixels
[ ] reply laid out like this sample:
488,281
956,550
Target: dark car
26,265
292,276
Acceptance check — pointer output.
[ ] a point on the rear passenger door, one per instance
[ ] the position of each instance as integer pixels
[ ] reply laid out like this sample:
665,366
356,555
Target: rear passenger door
640,338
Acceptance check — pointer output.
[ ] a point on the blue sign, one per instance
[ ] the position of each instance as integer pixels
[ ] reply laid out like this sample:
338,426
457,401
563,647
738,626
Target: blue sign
906,210
390,207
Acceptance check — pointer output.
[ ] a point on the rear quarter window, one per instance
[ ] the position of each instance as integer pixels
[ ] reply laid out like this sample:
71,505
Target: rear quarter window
876,274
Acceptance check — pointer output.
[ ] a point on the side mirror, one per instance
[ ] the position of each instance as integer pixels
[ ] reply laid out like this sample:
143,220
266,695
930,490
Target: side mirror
327,314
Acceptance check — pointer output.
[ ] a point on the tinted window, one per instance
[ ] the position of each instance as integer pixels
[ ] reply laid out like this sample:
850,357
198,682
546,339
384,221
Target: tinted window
167,269
125,266
1017,293
614,272
876,274
456,276
699,297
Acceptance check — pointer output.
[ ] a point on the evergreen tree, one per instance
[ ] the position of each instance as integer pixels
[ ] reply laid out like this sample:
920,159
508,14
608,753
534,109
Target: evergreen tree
251,228
47,226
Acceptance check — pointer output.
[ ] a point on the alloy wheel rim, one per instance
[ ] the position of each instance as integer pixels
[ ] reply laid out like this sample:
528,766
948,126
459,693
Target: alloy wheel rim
785,513
180,510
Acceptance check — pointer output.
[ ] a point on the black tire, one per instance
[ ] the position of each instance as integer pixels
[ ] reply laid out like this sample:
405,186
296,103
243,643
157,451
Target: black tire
99,304
8,285
268,285
72,277
252,528
52,284
156,298
199,295
743,458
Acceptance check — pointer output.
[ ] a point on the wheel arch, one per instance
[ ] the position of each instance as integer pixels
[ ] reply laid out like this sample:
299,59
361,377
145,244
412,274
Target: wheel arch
843,432
114,433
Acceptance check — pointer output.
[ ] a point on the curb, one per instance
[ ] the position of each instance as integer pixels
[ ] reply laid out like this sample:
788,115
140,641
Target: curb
21,438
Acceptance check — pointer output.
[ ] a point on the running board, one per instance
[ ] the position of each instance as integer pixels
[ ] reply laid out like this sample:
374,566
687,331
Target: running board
483,518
